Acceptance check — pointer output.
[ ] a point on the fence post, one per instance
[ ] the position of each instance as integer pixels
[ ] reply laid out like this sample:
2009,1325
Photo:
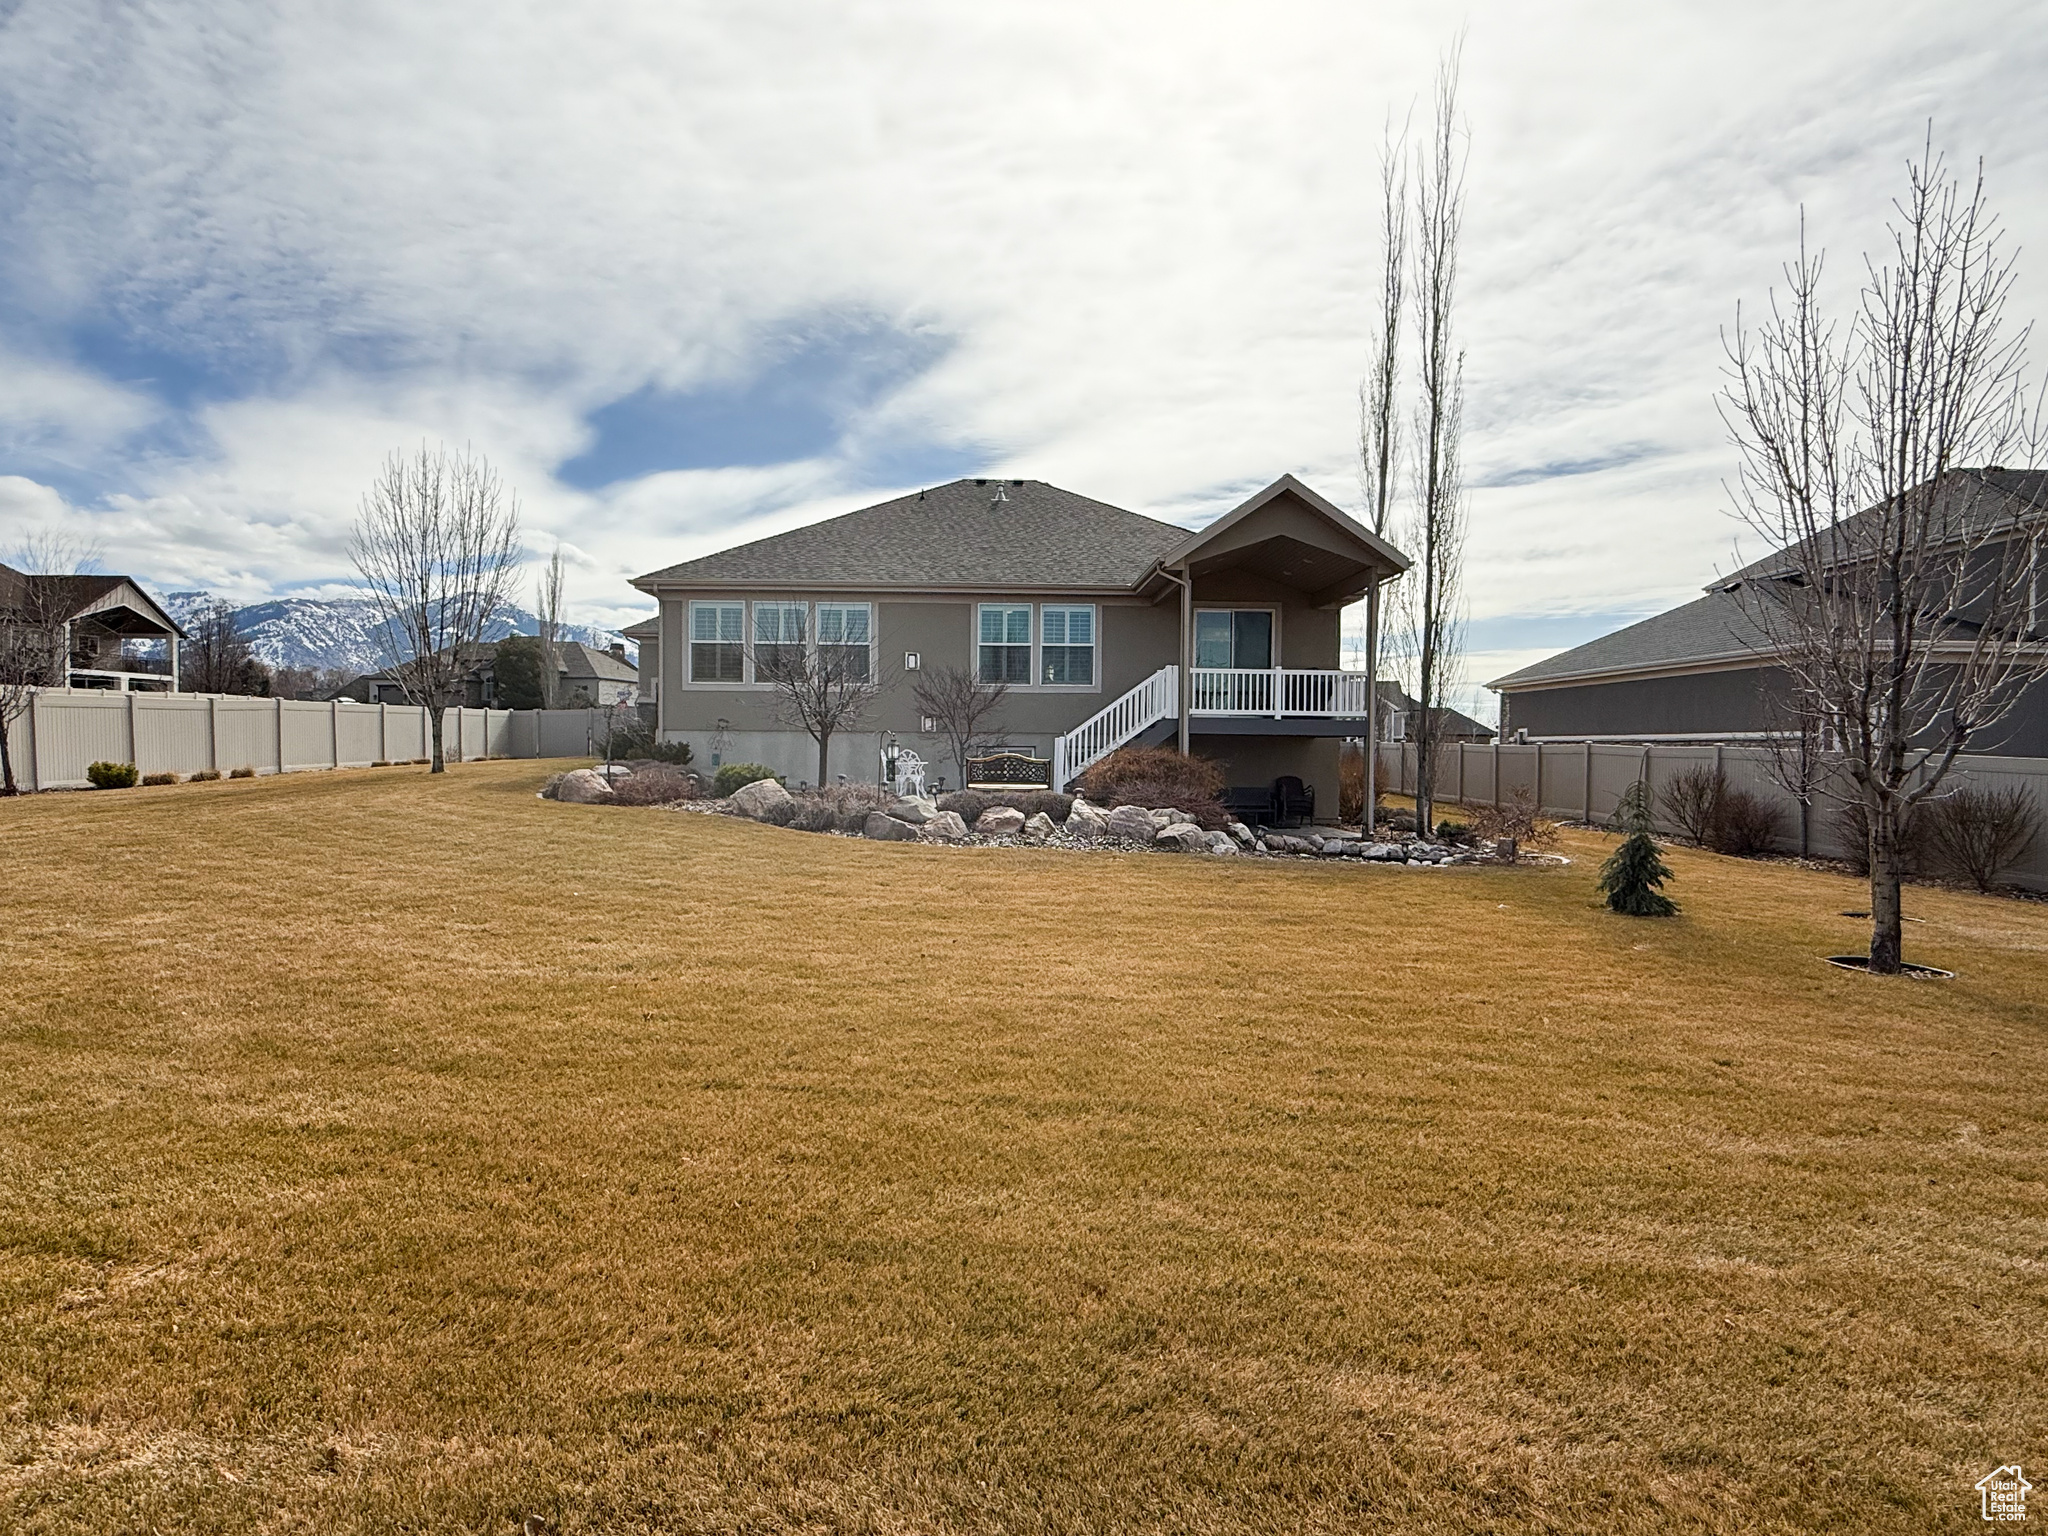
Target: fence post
129,693
35,739
279,722
1539,778
1496,772
334,729
1589,782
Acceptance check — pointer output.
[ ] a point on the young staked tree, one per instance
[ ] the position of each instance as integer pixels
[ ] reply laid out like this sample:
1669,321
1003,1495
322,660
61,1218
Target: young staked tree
1435,539
821,689
548,603
34,606
1633,872
436,544
1904,602
216,656
962,710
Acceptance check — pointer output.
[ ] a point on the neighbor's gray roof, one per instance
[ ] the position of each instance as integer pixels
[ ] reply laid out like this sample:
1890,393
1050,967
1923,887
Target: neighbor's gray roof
580,660
1977,499
1712,627
954,535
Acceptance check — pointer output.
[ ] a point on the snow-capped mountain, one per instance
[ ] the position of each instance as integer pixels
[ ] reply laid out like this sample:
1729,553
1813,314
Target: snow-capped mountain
343,632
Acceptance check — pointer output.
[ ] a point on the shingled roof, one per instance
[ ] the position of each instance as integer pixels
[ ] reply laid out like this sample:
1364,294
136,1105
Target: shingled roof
981,533
1716,627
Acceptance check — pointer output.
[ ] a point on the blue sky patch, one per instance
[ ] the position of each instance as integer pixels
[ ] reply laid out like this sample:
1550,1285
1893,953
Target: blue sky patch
802,404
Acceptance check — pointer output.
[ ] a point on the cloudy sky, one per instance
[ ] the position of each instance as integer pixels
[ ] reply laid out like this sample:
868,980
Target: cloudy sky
694,273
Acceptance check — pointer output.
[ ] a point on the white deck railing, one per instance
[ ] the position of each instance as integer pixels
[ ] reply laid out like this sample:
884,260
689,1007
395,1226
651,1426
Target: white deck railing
1106,730
1277,691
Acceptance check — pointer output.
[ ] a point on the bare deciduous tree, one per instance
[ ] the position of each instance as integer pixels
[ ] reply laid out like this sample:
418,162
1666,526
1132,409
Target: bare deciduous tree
962,710
821,688
217,657
436,544
1432,595
1904,600
34,605
549,603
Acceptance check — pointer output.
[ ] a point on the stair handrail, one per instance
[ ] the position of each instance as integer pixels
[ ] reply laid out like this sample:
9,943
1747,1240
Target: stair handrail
1115,724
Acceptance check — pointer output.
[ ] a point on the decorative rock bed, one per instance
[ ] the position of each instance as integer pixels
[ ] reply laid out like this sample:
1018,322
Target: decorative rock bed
1124,827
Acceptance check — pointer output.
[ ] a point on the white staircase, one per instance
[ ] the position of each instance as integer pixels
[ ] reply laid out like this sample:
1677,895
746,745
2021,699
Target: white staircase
1095,738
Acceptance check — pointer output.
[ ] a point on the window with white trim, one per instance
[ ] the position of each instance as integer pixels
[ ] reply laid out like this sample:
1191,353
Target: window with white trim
846,640
1004,650
1066,644
779,639
718,651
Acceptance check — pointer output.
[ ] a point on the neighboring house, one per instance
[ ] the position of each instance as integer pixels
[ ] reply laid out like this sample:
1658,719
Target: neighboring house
589,678
1706,671
1089,614
1398,710
91,620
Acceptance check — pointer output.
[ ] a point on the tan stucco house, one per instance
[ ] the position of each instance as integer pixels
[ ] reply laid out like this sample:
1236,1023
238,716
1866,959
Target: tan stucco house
1107,627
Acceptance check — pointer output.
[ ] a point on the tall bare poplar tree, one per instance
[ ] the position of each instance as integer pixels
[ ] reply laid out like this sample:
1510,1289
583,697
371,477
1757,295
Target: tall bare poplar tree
436,544
1436,532
1885,458
549,604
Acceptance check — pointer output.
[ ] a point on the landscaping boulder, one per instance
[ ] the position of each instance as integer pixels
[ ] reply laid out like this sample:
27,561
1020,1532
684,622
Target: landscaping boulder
1242,833
914,809
584,787
1221,842
945,827
1086,821
758,799
884,828
1130,824
1168,817
1000,821
1381,851
1182,837
1040,828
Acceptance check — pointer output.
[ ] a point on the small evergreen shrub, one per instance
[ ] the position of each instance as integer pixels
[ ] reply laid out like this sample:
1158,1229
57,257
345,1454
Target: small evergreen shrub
150,780
243,772
382,762
111,775
205,775
735,776
1633,872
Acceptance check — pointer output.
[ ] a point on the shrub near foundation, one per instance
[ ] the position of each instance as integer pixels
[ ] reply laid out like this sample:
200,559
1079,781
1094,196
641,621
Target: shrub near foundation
151,780
111,775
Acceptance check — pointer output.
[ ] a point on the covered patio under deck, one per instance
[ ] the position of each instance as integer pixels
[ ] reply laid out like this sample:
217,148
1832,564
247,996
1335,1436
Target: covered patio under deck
1263,586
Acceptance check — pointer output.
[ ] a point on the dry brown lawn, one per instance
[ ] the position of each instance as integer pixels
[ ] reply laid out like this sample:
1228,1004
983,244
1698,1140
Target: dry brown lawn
391,1154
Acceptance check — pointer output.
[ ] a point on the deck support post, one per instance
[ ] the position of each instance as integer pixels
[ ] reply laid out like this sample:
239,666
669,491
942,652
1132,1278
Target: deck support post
1187,649
1372,705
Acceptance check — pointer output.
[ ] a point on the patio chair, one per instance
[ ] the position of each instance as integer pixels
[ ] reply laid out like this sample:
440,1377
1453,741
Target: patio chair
1293,801
909,774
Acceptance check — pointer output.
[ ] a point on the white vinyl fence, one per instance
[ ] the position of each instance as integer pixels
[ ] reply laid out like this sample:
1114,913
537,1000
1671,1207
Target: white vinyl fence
64,730
1584,780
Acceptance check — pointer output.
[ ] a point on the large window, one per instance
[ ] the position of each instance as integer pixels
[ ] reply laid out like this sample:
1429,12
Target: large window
1066,645
718,652
846,637
1005,648
1240,637
778,639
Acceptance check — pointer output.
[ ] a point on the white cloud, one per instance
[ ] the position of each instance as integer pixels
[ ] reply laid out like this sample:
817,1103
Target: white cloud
1146,229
